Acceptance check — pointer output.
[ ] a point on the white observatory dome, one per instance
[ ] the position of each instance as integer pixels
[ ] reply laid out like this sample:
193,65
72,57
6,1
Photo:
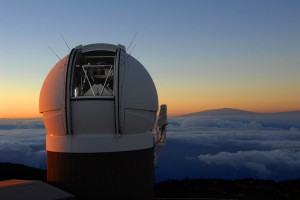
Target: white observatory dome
98,99
99,107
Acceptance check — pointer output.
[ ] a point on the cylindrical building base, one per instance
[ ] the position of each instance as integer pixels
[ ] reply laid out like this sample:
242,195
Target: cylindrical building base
112,175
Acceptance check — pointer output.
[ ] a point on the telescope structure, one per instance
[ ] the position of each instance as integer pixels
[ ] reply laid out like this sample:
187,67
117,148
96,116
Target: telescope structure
99,107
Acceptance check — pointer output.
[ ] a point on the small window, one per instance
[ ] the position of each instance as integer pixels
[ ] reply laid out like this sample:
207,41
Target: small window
93,75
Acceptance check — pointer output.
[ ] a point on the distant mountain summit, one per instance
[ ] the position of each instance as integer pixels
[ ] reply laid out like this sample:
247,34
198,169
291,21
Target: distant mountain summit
232,112
221,112
235,118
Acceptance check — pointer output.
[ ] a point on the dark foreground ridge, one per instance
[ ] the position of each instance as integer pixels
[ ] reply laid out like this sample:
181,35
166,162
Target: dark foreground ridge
243,189
18,171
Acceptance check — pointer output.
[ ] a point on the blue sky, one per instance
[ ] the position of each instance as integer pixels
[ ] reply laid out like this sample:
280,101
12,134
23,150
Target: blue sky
222,53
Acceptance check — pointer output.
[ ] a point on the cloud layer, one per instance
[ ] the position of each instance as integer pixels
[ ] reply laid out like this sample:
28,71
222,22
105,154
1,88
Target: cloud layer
231,147
197,147
264,163
23,141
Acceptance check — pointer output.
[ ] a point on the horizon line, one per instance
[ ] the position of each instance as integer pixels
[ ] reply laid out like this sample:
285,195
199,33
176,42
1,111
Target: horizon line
222,108
175,115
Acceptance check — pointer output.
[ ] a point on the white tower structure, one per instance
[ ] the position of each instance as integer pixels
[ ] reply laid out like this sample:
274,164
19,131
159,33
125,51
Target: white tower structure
99,106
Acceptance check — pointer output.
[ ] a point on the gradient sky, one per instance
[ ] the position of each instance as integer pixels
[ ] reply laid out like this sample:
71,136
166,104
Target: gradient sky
201,55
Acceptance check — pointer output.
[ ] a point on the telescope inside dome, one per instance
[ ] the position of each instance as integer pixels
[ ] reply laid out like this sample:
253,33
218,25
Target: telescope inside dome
93,74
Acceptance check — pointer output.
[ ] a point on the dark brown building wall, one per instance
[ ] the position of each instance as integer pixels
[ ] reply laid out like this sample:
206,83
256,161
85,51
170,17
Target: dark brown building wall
117,175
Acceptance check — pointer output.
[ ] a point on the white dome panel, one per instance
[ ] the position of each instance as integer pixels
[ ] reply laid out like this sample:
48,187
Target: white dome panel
138,89
52,96
98,91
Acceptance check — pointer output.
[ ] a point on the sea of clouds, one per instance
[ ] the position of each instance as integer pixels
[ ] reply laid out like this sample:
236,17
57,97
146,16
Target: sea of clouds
23,141
229,147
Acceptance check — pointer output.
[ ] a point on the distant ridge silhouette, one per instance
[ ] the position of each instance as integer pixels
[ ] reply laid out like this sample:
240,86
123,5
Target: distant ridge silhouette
232,111
222,111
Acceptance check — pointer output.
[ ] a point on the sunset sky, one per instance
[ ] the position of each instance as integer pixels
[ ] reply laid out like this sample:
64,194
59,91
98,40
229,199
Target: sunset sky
201,54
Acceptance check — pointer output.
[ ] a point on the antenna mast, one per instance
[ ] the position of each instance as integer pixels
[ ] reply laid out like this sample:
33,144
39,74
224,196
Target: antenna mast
64,41
131,41
54,53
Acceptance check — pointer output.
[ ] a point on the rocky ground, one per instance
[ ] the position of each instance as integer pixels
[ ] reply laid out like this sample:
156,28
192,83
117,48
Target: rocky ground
244,189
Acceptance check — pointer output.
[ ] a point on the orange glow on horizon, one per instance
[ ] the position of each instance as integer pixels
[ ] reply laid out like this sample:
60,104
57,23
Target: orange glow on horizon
174,109
27,106
180,106
256,96
180,100
262,103
21,104
177,112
